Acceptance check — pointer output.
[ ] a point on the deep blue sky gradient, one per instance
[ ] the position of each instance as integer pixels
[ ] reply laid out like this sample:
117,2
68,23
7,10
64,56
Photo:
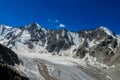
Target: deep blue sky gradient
75,14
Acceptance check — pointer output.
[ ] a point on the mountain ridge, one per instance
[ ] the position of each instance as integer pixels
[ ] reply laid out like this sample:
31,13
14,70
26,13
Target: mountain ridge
34,38
86,52
34,23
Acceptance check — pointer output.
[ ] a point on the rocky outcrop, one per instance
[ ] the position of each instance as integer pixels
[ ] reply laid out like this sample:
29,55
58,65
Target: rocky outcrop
58,40
9,73
7,56
103,51
7,61
103,46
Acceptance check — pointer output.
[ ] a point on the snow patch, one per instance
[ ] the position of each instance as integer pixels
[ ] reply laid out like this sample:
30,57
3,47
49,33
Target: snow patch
118,39
74,37
109,77
92,43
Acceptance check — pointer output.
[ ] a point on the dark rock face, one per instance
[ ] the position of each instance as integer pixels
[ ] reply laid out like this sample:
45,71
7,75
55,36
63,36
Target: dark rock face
104,51
7,60
81,52
7,56
8,73
56,41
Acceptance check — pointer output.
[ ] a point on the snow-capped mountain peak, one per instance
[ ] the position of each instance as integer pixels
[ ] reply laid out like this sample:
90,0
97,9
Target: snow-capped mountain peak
1,25
34,25
33,44
108,31
36,39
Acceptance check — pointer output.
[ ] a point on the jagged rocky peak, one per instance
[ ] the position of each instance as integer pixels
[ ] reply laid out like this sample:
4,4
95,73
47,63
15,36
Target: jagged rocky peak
33,26
100,43
5,26
106,30
98,34
1,25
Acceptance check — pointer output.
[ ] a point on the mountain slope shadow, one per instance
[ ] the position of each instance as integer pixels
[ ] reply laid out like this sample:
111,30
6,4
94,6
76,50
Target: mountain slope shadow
7,61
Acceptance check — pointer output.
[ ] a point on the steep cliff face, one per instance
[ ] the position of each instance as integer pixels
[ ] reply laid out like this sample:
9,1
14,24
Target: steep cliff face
7,56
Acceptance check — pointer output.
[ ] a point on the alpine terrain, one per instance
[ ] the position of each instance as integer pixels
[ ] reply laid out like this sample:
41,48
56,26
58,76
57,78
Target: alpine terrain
36,53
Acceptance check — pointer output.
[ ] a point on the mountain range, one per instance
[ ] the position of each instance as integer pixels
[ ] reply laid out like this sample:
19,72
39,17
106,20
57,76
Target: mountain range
44,54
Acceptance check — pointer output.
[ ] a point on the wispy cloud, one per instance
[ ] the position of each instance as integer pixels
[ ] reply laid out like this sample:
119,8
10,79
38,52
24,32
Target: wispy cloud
56,23
53,21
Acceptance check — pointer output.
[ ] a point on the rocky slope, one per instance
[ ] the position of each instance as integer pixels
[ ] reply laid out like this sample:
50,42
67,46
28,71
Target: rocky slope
8,59
97,49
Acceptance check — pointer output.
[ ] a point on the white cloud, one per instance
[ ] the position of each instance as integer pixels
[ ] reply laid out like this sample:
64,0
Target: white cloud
61,25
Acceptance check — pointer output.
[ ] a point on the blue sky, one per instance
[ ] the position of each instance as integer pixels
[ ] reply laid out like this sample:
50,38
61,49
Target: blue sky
73,15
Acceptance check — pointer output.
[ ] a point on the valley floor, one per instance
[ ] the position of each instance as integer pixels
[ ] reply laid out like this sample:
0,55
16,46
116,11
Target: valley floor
50,67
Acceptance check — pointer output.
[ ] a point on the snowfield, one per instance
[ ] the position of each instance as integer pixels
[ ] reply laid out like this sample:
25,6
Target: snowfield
35,66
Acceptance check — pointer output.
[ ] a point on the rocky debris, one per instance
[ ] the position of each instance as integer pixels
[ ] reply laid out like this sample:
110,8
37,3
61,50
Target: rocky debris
44,71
